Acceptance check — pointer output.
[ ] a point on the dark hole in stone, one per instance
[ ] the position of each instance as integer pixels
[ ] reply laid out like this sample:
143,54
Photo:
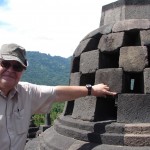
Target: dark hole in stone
132,38
109,60
133,82
75,64
105,109
87,79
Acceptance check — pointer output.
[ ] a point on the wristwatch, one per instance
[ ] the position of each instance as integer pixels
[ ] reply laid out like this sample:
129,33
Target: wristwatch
89,87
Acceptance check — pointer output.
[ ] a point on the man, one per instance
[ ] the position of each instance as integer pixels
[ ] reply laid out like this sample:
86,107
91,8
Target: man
19,100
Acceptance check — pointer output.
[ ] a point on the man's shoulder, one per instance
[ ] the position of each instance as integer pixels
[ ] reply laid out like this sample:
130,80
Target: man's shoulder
22,83
25,85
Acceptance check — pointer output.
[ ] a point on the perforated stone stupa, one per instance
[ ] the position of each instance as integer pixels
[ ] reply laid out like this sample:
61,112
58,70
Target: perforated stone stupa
117,54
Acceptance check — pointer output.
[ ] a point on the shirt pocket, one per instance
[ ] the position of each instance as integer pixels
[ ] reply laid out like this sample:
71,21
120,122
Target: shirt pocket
20,121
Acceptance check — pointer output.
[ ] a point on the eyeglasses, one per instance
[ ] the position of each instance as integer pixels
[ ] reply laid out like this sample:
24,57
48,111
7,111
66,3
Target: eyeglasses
16,66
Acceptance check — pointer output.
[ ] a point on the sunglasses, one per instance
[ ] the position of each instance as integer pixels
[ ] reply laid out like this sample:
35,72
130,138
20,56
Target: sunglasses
16,66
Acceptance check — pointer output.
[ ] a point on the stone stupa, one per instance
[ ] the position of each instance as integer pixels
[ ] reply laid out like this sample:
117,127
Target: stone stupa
117,54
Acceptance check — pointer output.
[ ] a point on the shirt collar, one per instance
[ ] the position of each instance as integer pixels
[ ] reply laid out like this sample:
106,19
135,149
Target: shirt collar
11,93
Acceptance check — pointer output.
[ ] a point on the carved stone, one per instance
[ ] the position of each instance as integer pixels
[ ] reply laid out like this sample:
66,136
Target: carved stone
117,54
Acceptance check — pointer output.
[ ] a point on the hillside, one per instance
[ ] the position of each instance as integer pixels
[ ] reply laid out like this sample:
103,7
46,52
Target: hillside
46,69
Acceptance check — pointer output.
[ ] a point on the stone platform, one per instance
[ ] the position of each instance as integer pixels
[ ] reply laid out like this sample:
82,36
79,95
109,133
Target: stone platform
71,134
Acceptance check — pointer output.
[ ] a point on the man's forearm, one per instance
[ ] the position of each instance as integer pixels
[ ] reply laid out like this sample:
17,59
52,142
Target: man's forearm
65,93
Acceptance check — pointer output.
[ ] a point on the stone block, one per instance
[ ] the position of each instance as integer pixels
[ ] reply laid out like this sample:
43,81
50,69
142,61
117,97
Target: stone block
75,133
117,128
84,108
137,11
147,80
130,24
133,108
94,34
111,42
137,134
145,37
110,77
89,61
86,45
125,10
75,78
42,128
136,2
133,58
137,139
110,13
105,29
50,140
112,139
137,128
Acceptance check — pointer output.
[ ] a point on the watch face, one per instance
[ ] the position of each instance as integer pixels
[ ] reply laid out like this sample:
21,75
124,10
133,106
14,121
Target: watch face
89,86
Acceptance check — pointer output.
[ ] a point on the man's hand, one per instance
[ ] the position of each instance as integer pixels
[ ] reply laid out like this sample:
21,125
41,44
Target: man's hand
102,90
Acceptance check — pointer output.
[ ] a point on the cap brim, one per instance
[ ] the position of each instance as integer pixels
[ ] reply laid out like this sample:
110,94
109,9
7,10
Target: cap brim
7,57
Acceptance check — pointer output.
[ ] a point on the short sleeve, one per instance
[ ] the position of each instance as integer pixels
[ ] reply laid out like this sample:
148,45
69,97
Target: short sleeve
41,97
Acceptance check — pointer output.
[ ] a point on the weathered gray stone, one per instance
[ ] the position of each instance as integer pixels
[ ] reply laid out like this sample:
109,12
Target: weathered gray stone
137,139
110,77
105,29
48,140
114,123
81,130
84,108
131,24
94,34
125,10
115,128
137,134
86,45
133,108
135,2
112,138
98,127
75,78
33,144
111,13
75,133
145,37
147,80
89,61
82,145
137,11
111,42
133,58
118,147
137,128
78,123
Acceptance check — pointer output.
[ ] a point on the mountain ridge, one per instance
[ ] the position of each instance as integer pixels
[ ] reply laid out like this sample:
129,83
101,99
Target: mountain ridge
45,69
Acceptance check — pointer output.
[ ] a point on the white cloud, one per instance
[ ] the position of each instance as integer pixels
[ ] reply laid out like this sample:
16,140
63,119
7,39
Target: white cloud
49,26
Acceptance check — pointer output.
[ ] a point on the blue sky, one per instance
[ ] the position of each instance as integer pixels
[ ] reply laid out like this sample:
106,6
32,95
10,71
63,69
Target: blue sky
49,26
2,2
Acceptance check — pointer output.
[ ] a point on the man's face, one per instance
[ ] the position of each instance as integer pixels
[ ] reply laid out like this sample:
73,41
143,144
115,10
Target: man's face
10,74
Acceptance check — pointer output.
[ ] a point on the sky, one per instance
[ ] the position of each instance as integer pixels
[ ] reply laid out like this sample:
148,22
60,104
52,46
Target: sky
54,27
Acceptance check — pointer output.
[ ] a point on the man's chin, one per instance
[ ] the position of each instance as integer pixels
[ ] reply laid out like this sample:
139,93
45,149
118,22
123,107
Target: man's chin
7,83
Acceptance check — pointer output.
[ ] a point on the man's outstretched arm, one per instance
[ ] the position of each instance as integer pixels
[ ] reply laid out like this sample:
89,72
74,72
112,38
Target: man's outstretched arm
66,93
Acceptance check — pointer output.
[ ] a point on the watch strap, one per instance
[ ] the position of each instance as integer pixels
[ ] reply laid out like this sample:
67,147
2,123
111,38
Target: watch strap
89,88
